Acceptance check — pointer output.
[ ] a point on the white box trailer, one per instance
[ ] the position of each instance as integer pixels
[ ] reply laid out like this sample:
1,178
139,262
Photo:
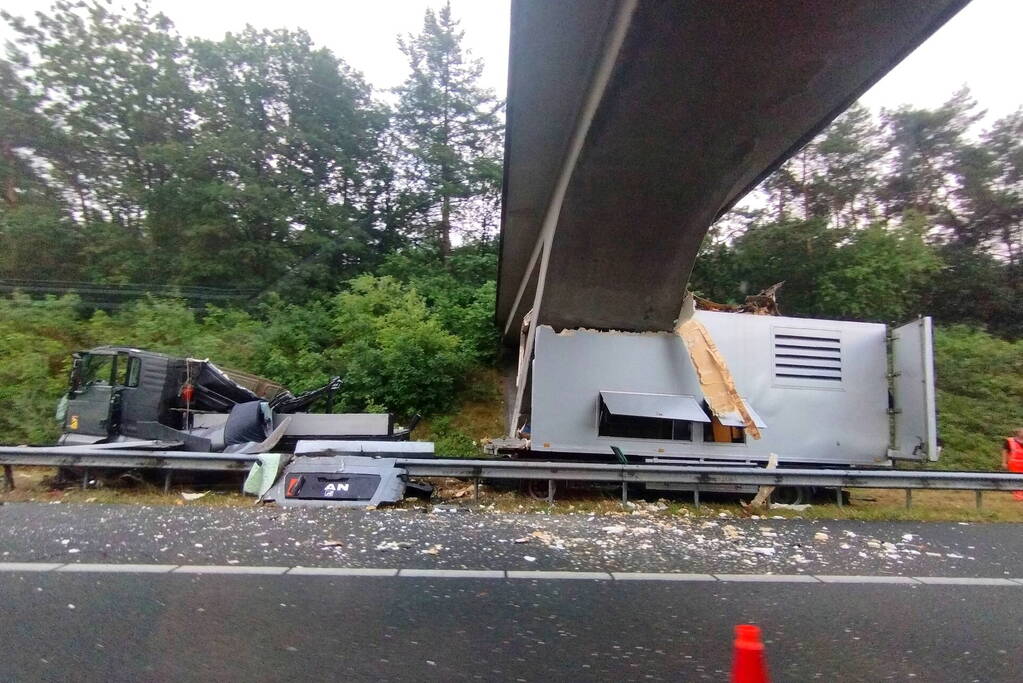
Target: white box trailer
822,392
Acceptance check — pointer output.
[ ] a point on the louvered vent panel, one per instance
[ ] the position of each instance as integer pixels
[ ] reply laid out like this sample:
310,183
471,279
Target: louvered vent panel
812,356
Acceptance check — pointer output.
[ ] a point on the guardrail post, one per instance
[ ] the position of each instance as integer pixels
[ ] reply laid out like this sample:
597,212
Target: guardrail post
980,499
550,490
167,481
85,478
696,497
838,496
8,477
909,498
476,490
625,493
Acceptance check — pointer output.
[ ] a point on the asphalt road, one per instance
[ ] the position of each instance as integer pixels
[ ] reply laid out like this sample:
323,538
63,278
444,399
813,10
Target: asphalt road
118,625
225,628
468,540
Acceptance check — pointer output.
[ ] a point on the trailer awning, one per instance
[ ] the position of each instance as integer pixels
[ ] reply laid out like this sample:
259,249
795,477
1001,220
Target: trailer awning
665,406
735,419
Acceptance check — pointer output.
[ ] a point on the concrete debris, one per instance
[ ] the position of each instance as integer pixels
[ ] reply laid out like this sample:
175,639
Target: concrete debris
394,545
762,303
193,496
584,542
463,492
790,506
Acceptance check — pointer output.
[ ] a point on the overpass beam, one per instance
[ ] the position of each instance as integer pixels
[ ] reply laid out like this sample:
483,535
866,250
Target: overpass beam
594,95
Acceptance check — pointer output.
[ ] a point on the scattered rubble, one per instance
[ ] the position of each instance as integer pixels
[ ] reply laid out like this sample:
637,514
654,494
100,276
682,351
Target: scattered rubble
394,545
790,506
622,542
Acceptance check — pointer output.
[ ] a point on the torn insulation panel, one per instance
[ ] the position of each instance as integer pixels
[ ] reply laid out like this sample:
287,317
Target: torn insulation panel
715,379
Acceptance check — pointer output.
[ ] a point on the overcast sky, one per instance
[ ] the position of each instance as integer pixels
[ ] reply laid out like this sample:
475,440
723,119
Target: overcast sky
980,47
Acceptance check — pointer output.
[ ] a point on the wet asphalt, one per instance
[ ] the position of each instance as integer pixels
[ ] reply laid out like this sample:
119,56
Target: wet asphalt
645,541
242,628
159,627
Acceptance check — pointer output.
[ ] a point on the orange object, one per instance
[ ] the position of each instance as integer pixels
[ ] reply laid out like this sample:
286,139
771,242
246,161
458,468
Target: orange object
1015,461
748,662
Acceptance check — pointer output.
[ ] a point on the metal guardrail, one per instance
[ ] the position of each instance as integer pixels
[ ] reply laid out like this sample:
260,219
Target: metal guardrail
77,456
695,477
713,476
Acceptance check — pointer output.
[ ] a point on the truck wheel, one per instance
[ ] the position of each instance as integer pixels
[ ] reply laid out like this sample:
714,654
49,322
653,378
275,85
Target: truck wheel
537,488
791,495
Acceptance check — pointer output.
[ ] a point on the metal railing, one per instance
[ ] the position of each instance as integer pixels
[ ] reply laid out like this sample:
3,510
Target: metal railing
77,456
694,477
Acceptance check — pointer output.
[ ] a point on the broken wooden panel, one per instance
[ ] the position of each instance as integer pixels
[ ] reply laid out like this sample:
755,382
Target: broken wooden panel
715,379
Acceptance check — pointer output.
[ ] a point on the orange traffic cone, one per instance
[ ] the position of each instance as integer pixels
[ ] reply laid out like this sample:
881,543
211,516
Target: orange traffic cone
748,663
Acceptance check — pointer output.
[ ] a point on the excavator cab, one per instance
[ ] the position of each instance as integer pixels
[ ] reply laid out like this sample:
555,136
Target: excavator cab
94,396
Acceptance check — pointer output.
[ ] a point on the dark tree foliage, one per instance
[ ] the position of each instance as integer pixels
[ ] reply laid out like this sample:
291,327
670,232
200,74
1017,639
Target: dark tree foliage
914,213
449,134
259,162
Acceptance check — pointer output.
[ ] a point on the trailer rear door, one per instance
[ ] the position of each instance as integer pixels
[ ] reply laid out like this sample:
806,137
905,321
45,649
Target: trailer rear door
916,432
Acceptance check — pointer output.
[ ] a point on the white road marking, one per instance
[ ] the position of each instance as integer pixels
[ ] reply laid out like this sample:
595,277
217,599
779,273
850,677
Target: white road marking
845,578
227,569
963,581
600,576
28,566
118,568
768,578
341,571
240,570
660,576
453,573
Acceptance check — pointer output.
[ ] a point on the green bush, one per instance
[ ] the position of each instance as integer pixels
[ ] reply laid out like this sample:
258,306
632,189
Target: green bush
462,295
451,441
35,336
393,350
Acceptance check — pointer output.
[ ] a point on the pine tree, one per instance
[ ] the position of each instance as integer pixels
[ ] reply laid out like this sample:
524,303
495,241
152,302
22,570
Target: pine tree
449,128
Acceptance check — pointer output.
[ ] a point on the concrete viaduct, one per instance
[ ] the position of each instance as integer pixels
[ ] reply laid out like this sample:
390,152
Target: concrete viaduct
634,124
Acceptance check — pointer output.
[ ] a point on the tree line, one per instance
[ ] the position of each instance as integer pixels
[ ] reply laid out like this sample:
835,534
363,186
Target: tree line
914,212
255,163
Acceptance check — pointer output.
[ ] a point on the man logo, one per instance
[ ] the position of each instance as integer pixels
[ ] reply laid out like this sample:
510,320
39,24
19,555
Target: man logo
73,422
330,489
